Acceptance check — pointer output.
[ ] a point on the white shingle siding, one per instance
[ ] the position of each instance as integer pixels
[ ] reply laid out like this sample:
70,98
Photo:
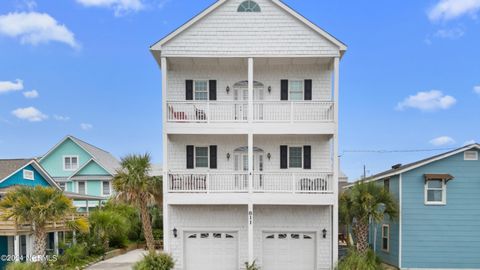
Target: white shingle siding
268,74
269,32
321,150
266,218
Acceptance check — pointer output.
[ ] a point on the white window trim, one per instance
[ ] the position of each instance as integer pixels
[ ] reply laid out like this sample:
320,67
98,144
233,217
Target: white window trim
195,156
109,186
71,156
444,193
470,159
388,237
28,171
288,157
86,187
195,89
290,90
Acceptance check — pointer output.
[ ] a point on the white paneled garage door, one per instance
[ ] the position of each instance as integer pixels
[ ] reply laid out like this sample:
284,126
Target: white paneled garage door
287,251
211,251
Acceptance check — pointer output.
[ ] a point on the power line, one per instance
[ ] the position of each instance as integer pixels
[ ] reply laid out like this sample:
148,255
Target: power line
385,151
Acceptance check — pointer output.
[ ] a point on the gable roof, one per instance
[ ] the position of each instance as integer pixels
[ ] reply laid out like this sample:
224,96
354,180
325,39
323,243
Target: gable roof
102,157
9,167
157,45
420,163
85,165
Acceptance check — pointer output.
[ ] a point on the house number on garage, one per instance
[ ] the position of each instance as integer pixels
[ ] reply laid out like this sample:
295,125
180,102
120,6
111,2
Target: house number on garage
250,217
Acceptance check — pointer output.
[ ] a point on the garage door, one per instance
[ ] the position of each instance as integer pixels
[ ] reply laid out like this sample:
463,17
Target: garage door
287,251
211,251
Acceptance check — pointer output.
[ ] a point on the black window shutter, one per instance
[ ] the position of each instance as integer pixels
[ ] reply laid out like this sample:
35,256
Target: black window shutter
213,156
189,90
283,157
308,90
190,157
307,157
212,94
284,90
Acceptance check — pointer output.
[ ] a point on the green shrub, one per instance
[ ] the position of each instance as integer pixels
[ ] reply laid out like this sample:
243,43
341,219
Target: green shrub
155,261
158,234
72,256
356,261
252,266
23,266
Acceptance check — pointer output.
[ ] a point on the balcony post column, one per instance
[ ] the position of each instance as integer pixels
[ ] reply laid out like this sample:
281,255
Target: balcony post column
336,63
166,227
55,242
250,90
16,247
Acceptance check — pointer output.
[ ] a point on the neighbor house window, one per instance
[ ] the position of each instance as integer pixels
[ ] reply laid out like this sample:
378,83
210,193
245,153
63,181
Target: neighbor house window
471,155
386,237
201,157
28,174
62,185
248,6
296,90
70,163
81,187
295,156
435,191
106,188
201,90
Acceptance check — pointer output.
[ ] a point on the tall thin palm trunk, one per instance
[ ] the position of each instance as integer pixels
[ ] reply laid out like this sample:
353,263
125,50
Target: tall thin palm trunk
40,242
147,223
361,233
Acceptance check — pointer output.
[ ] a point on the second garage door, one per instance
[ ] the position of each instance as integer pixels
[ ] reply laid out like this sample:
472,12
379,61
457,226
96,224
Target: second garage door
211,251
287,251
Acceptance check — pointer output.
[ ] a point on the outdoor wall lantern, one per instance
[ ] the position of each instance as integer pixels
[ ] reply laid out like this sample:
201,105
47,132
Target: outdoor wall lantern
269,89
175,231
269,156
324,232
228,156
228,89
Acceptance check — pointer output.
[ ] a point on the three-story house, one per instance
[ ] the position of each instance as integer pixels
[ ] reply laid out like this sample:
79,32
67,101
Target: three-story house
250,139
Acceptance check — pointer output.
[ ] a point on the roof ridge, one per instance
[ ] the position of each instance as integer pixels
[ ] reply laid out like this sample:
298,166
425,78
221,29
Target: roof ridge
75,138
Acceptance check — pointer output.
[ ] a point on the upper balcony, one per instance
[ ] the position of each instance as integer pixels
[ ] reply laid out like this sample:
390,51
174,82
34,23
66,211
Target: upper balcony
266,95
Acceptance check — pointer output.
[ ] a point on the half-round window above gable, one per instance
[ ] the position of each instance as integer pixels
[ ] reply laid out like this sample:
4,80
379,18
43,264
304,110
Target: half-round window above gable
249,6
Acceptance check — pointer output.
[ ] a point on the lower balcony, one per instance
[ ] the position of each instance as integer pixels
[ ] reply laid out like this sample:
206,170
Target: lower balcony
263,182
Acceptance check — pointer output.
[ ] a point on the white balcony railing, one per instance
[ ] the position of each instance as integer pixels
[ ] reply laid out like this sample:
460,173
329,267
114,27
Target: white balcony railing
207,111
293,111
263,182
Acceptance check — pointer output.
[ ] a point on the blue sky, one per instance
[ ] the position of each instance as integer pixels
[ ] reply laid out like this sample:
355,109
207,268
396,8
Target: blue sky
407,81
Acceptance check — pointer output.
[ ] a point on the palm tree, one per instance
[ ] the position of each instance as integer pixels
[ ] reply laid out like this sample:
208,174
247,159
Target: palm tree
134,185
107,223
363,203
38,206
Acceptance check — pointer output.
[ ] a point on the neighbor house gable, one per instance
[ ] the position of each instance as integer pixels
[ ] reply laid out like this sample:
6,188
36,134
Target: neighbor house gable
18,177
276,30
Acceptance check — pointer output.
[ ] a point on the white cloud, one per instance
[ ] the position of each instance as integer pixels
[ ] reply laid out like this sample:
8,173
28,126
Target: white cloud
454,33
31,94
428,101
31,114
86,126
446,10
476,89
7,86
442,140
120,7
35,28
61,117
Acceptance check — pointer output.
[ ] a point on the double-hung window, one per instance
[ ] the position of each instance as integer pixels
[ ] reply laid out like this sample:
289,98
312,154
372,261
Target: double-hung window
296,89
201,90
70,163
106,188
201,157
435,192
386,237
62,185
82,187
295,157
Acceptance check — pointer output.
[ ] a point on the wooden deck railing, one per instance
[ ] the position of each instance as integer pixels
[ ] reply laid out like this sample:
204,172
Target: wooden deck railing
10,227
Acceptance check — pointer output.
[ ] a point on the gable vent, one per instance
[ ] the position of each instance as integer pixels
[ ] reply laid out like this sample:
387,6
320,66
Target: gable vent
471,155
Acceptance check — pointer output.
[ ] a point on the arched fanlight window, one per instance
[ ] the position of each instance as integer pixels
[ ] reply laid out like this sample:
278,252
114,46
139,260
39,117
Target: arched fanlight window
249,6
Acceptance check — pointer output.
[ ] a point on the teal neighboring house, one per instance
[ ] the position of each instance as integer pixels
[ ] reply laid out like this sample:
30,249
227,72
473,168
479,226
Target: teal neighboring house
439,219
82,168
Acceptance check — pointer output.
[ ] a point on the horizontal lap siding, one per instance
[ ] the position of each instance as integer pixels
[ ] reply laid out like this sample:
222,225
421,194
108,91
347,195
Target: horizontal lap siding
269,32
442,236
269,75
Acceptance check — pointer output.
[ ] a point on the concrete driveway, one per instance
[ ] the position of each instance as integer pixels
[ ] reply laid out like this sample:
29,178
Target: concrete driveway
122,262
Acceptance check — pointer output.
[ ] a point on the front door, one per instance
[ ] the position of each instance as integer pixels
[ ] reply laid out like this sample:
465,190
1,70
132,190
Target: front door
241,95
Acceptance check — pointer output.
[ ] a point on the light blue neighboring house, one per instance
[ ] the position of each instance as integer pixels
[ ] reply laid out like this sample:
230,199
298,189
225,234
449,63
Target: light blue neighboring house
82,168
439,220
